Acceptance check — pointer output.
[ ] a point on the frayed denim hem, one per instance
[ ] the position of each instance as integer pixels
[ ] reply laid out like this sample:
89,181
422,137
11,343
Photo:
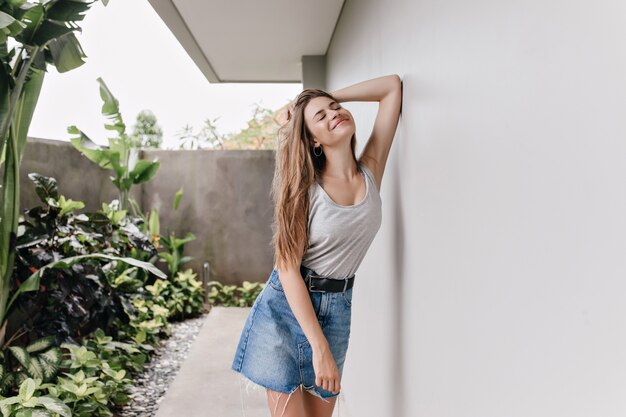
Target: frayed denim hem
257,386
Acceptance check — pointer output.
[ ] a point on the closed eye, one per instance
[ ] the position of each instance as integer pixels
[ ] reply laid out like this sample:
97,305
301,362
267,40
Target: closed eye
338,107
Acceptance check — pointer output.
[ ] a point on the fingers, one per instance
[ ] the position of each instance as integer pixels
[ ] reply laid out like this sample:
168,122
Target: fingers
326,372
331,384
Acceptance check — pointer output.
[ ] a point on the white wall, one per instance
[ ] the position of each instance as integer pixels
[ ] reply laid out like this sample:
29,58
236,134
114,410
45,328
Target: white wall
497,283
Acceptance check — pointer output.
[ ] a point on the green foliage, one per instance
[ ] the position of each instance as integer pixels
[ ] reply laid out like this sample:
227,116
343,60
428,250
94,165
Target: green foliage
146,133
39,360
75,272
33,34
183,296
121,156
6,376
98,378
27,403
95,377
69,293
118,355
207,137
174,247
173,255
149,321
260,133
177,197
232,295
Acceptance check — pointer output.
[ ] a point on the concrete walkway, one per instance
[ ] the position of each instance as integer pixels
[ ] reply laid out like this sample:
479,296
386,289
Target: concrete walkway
205,385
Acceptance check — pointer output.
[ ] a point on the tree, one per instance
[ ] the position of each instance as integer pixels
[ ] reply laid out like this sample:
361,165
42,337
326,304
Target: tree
208,137
146,132
260,132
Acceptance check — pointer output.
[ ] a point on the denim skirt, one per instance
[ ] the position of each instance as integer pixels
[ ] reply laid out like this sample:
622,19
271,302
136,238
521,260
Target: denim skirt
273,351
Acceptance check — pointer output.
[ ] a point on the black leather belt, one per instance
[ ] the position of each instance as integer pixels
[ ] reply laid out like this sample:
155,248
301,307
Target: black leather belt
318,283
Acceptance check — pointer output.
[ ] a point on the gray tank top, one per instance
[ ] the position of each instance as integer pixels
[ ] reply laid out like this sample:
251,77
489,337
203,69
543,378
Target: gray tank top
339,236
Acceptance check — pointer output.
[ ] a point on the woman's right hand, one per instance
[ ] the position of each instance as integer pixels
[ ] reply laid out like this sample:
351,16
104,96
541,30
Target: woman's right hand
326,371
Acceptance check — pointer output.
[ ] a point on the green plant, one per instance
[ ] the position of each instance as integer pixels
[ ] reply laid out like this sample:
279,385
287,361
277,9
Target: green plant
118,355
95,375
183,296
92,386
174,247
86,395
146,132
6,376
121,155
77,295
232,295
28,404
43,33
150,224
66,263
148,320
39,360
174,255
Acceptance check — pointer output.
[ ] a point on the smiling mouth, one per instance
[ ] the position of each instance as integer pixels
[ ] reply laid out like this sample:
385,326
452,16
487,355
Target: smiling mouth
340,122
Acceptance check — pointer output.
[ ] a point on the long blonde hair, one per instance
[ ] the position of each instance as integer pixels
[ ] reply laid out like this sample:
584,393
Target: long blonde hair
296,169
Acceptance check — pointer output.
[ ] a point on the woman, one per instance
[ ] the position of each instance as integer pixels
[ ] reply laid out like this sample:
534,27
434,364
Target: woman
327,212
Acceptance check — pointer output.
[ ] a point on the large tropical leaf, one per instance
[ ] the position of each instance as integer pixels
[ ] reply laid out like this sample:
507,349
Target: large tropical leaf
52,356
153,222
89,148
26,107
45,187
9,25
49,30
55,405
144,170
5,97
40,344
177,198
111,108
32,282
66,52
68,10
32,18
21,355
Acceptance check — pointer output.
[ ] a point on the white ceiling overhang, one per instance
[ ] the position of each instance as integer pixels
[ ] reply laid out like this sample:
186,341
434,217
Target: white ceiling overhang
251,41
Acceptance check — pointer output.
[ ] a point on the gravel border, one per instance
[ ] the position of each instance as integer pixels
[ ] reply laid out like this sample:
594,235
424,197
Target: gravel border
149,387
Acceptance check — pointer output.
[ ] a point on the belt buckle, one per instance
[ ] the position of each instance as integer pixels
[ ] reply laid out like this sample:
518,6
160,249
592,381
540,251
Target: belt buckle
345,285
311,276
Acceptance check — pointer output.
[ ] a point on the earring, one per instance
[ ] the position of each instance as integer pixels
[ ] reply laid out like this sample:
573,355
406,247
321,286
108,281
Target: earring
318,147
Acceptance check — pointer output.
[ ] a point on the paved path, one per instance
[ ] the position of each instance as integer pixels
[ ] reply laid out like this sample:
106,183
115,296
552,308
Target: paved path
205,386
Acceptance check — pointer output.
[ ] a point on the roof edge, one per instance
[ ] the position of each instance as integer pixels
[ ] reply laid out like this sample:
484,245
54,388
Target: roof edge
168,12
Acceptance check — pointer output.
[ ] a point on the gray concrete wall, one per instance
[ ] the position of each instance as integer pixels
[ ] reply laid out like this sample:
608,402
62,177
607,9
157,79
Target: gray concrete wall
495,286
226,200
226,204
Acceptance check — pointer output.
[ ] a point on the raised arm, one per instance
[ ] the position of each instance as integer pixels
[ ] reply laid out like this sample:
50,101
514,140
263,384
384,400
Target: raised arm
387,90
